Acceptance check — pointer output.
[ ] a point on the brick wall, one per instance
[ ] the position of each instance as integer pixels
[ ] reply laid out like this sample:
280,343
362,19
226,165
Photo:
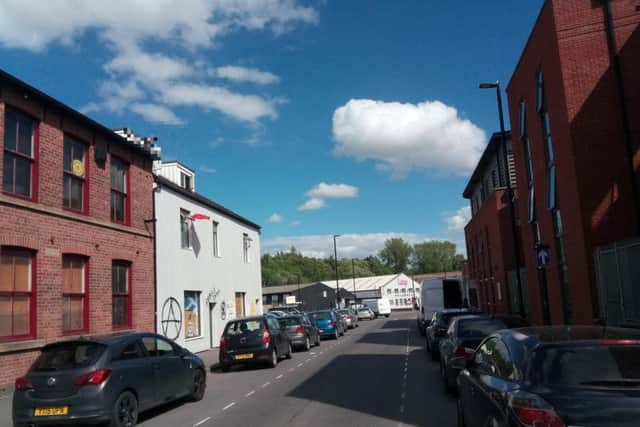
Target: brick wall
50,232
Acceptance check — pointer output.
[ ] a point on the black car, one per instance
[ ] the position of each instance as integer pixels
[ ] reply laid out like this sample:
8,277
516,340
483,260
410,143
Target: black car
554,376
464,335
302,333
258,339
437,328
106,379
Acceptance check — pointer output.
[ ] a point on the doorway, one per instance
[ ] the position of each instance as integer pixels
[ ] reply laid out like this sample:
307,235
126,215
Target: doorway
240,304
211,332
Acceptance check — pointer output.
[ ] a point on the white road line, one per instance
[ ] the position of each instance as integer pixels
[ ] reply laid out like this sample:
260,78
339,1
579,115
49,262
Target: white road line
228,406
402,409
201,422
405,377
300,364
308,360
321,352
279,376
291,369
403,395
266,384
250,393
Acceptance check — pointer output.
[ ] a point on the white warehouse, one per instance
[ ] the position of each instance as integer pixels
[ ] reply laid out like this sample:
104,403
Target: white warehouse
207,261
399,289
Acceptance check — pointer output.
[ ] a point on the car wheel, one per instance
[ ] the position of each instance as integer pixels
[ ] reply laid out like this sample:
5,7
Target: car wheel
307,344
434,354
199,385
289,352
342,333
125,410
226,368
318,340
336,335
444,372
461,422
273,361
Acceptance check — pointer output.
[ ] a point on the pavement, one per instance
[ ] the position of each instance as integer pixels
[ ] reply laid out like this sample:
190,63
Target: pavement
376,375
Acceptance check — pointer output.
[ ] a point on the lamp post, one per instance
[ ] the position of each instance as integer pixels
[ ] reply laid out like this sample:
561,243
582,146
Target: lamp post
353,276
335,258
514,227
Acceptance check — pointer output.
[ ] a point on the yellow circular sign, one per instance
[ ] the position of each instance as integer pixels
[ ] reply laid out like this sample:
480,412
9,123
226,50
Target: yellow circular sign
78,167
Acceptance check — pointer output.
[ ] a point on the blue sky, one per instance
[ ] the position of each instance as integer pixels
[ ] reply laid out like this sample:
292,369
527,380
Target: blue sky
359,118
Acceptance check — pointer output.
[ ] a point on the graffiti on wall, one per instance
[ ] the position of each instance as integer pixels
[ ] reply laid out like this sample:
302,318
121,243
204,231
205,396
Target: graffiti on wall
171,319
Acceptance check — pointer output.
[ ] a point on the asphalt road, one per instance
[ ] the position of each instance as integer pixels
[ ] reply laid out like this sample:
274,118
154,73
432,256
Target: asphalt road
376,375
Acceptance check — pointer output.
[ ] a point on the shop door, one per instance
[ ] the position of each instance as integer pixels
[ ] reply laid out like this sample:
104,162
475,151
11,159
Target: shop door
239,305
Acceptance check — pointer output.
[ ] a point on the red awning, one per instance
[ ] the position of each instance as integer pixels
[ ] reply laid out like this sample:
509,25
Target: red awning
198,216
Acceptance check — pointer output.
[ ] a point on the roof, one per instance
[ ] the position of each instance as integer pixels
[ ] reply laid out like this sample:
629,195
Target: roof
30,91
492,148
268,290
178,162
204,201
443,275
366,283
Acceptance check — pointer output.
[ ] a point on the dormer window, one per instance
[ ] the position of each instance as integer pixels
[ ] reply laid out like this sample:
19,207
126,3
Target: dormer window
185,181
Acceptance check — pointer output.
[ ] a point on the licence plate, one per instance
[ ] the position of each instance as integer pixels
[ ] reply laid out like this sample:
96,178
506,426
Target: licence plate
47,412
244,356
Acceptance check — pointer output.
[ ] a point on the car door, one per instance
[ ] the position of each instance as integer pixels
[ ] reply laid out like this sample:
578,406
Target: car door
470,388
501,379
277,335
313,331
135,367
446,343
171,370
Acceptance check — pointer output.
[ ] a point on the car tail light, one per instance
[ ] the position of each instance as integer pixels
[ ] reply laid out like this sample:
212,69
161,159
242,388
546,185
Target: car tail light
266,338
93,378
462,352
23,383
223,343
332,323
350,317
617,342
533,411
300,329
441,330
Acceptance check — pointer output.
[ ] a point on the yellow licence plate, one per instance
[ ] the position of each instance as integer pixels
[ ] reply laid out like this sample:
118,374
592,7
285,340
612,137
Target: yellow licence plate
244,356
47,412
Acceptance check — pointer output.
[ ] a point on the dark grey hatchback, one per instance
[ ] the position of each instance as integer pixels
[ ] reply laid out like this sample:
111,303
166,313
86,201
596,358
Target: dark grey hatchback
105,379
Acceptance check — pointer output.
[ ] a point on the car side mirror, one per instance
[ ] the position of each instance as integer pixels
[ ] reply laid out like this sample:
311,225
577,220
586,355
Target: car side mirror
459,363
184,352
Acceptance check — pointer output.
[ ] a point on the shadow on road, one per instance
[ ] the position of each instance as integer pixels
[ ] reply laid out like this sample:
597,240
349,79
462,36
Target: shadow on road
395,324
382,338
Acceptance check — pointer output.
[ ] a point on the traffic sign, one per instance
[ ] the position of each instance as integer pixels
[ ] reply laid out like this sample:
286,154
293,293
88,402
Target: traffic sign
543,257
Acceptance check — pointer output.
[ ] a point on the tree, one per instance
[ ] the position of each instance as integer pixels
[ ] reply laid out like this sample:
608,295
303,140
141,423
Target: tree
396,255
375,266
435,257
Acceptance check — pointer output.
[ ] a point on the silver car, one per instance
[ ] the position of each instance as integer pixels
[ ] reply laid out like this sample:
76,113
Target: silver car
106,379
365,313
350,317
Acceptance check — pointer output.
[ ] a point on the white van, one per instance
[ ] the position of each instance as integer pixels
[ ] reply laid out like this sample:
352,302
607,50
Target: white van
438,294
379,306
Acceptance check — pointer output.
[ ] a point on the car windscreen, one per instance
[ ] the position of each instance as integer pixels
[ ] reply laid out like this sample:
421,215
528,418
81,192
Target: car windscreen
479,328
344,312
70,355
445,318
595,365
241,327
290,321
320,315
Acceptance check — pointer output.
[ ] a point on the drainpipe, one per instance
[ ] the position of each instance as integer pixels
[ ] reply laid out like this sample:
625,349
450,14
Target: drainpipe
615,62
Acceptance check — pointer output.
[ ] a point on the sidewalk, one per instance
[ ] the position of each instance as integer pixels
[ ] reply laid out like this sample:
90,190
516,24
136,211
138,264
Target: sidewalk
210,357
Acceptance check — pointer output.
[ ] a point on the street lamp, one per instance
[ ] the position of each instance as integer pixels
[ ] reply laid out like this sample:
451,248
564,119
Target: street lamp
514,227
335,258
353,276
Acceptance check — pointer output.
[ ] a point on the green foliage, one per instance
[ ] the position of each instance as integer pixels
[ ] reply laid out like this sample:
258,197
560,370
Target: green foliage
436,256
396,255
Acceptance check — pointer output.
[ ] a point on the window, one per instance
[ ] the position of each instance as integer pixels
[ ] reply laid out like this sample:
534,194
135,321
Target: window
276,298
131,351
185,181
216,251
539,91
19,154
121,294
157,347
74,289
119,181
532,204
16,293
74,174
246,244
185,237
494,178
388,291
523,119
191,314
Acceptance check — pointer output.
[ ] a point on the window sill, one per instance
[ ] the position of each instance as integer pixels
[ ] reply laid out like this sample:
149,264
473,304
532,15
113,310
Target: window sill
75,333
194,338
20,196
29,344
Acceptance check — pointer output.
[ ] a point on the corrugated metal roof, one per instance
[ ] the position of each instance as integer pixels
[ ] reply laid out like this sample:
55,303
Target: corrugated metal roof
268,290
361,284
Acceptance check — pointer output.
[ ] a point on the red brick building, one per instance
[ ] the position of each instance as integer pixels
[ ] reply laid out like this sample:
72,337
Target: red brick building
491,262
574,103
76,246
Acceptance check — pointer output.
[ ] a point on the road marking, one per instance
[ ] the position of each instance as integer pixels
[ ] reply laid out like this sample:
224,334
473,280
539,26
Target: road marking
300,364
201,422
402,409
312,353
308,360
405,377
279,376
250,393
291,369
403,395
266,384
228,406
321,352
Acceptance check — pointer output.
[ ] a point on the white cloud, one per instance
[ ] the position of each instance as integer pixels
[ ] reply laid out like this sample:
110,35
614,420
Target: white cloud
403,137
243,74
312,204
459,219
348,245
295,223
156,113
147,75
275,218
207,169
333,191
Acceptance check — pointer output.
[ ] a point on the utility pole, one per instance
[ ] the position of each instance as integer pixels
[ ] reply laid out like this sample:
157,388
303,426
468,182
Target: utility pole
335,258
353,275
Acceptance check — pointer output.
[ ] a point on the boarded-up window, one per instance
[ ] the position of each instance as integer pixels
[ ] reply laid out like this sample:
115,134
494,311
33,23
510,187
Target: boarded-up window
73,293
15,292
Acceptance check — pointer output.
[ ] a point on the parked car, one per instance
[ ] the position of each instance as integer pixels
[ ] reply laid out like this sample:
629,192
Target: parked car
288,309
553,376
437,328
365,313
277,313
257,339
341,320
437,295
350,317
462,339
106,379
302,333
327,323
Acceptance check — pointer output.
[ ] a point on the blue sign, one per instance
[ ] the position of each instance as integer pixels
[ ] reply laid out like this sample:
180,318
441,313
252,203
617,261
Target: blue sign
544,259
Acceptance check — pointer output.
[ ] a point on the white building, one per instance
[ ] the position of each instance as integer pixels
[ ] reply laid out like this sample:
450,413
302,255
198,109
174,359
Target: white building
207,261
399,289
